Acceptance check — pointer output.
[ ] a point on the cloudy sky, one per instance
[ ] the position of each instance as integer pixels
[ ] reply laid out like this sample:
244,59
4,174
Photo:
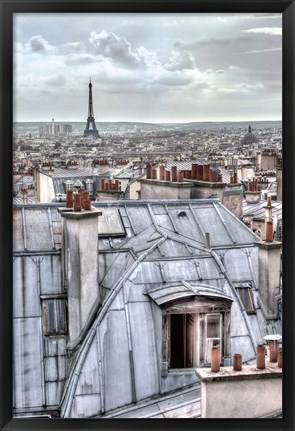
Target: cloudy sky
148,67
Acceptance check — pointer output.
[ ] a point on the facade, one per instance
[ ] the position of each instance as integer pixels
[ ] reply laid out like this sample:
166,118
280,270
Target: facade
119,304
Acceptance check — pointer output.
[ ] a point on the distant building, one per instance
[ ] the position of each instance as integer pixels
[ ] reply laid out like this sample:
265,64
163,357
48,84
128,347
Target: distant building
90,129
249,138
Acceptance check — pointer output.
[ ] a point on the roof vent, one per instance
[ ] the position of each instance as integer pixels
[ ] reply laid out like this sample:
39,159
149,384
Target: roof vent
182,214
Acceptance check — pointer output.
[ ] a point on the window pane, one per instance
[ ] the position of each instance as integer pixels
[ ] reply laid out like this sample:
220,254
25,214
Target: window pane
247,299
213,326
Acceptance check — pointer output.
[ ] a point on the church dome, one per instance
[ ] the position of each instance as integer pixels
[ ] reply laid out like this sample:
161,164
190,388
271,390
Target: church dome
249,138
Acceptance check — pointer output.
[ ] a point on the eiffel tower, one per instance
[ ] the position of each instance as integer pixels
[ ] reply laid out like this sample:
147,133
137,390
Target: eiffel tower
90,129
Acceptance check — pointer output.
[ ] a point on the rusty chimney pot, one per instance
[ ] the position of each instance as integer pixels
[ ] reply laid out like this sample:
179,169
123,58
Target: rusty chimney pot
206,169
215,359
69,199
269,200
273,350
106,186
280,358
167,175
194,171
174,174
237,362
154,174
260,356
77,202
148,171
180,177
188,175
269,231
87,204
84,197
162,172
117,185
102,184
200,172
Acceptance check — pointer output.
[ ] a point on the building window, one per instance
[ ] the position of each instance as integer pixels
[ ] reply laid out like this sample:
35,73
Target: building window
182,340
213,327
188,338
246,295
54,316
69,186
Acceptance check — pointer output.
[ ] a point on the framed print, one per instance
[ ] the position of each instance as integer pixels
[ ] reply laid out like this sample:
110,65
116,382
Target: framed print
147,241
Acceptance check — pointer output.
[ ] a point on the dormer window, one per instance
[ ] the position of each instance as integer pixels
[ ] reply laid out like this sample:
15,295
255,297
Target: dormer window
69,186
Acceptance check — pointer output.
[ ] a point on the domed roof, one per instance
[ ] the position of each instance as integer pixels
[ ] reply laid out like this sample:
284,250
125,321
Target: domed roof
249,138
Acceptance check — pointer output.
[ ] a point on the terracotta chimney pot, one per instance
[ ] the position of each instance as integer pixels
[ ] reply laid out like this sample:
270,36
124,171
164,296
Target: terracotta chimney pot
77,202
273,350
200,172
194,171
148,171
162,173
206,169
260,356
280,358
237,362
215,359
69,199
174,174
269,231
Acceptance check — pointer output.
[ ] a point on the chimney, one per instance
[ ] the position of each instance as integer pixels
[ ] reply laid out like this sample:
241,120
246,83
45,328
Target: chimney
167,176
200,172
174,174
154,174
206,169
24,195
69,199
80,260
162,172
148,171
180,177
269,261
194,171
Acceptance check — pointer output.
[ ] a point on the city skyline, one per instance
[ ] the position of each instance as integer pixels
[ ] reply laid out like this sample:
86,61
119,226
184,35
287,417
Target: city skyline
148,67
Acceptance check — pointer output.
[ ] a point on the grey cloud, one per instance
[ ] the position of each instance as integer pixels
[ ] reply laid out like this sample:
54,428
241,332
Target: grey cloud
56,81
116,48
71,48
39,44
180,60
81,59
174,79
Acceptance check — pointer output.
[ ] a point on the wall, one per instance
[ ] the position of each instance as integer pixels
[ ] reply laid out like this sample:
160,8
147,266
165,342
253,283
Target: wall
205,189
154,189
269,277
247,396
268,162
46,189
234,203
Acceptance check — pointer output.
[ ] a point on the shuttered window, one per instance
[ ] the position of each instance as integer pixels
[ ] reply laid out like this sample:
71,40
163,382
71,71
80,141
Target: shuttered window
54,316
246,295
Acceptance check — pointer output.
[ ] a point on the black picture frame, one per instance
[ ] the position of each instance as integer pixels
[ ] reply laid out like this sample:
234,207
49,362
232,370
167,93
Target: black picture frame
8,8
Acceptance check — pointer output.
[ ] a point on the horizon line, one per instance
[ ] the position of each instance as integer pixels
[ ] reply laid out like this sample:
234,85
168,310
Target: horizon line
150,122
